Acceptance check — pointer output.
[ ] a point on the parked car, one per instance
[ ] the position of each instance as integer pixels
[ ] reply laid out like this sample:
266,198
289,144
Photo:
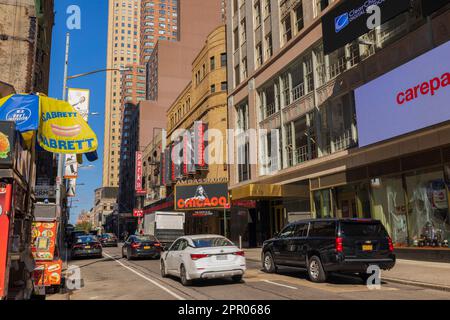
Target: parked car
73,235
86,246
203,257
141,246
330,245
109,240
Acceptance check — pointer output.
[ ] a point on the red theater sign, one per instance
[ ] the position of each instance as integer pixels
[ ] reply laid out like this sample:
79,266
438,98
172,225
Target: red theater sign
5,226
201,196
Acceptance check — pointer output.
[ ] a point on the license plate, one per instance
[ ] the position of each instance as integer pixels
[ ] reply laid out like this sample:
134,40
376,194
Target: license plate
367,247
87,247
147,247
222,258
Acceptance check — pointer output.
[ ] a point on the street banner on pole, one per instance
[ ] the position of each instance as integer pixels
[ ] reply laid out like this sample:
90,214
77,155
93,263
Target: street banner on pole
79,99
71,167
71,188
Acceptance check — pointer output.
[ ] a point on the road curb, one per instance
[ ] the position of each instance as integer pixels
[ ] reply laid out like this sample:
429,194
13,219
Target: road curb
417,284
400,281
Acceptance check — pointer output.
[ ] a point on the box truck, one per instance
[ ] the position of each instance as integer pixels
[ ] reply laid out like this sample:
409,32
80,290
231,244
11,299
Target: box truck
165,226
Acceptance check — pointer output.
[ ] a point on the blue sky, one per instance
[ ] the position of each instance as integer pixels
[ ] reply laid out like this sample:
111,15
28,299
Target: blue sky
87,53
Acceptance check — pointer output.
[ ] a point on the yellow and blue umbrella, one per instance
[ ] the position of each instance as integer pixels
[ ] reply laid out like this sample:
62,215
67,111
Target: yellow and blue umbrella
60,128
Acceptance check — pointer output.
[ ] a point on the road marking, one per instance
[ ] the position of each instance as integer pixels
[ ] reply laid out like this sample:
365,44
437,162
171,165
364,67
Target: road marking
146,278
279,284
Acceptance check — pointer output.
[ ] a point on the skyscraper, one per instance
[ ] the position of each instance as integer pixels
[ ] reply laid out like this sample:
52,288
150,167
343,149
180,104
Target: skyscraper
123,51
159,21
134,27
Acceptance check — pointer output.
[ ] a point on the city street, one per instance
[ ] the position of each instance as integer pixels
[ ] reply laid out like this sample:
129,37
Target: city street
115,278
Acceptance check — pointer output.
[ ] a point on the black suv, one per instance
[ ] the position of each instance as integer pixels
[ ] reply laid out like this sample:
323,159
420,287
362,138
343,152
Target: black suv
330,245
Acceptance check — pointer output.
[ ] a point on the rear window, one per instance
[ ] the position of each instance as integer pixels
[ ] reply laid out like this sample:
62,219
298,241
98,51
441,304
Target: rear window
144,238
86,239
212,242
323,229
363,229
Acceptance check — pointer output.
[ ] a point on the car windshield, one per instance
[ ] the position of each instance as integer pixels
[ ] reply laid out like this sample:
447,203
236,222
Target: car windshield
363,229
144,238
86,239
212,242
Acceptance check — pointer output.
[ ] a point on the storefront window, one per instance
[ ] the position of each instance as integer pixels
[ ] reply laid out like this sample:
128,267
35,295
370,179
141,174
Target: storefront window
389,206
322,203
428,209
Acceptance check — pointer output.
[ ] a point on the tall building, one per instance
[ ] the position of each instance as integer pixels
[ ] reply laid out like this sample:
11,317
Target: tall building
123,52
203,100
133,85
159,21
331,118
169,67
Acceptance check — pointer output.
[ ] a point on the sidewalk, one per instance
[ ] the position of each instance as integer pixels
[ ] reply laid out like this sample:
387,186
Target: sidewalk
431,275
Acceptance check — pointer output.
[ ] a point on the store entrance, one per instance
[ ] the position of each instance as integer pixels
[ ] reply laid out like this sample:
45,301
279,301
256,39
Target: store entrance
278,218
347,205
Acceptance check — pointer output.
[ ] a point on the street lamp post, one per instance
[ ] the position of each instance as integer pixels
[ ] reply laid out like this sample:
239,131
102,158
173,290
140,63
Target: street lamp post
61,157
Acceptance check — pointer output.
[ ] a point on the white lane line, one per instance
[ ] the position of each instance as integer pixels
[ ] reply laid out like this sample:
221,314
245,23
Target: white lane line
146,278
281,285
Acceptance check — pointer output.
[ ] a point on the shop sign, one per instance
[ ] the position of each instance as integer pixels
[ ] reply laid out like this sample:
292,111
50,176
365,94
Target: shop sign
199,214
48,273
26,116
244,203
45,192
63,130
43,237
201,196
7,142
349,20
71,188
411,97
138,213
5,226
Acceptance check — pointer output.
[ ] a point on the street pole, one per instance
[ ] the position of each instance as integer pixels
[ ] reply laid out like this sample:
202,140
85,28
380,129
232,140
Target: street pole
59,178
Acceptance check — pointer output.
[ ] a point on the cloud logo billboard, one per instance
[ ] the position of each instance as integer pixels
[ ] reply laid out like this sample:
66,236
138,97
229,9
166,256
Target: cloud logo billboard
341,22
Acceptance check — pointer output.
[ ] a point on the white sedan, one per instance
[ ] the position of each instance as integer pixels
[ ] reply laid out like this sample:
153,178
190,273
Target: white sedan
203,257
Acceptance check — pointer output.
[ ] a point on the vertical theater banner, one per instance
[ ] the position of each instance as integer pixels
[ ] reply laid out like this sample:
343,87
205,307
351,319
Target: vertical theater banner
138,174
5,226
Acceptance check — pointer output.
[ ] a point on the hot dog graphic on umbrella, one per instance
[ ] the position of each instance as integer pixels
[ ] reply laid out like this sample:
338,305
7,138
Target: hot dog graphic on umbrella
64,131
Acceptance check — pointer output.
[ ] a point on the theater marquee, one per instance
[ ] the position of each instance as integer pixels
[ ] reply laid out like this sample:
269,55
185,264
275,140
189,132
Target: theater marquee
203,196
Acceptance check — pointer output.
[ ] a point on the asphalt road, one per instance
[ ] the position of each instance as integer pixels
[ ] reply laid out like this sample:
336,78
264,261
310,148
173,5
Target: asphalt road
115,278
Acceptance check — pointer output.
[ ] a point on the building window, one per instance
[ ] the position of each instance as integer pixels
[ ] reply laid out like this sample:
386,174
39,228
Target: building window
237,75
212,63
269,48
236,39
213,88
243,146
223,60
243,31
257,8
286,27
223,86
259,54
299,17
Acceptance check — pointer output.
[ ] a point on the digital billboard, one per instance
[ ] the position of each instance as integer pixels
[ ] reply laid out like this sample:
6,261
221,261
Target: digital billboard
413,96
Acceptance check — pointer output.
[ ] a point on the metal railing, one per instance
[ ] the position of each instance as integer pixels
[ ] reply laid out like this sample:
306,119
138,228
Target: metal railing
298,91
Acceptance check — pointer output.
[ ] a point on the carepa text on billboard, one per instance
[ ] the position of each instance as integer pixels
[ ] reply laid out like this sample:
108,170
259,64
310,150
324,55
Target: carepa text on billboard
201,196
413,96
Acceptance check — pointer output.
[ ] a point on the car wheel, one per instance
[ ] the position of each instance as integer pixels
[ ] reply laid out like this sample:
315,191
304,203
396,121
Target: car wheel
163,269
183,276
269,265
315,270
128,255
123,254
237,278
